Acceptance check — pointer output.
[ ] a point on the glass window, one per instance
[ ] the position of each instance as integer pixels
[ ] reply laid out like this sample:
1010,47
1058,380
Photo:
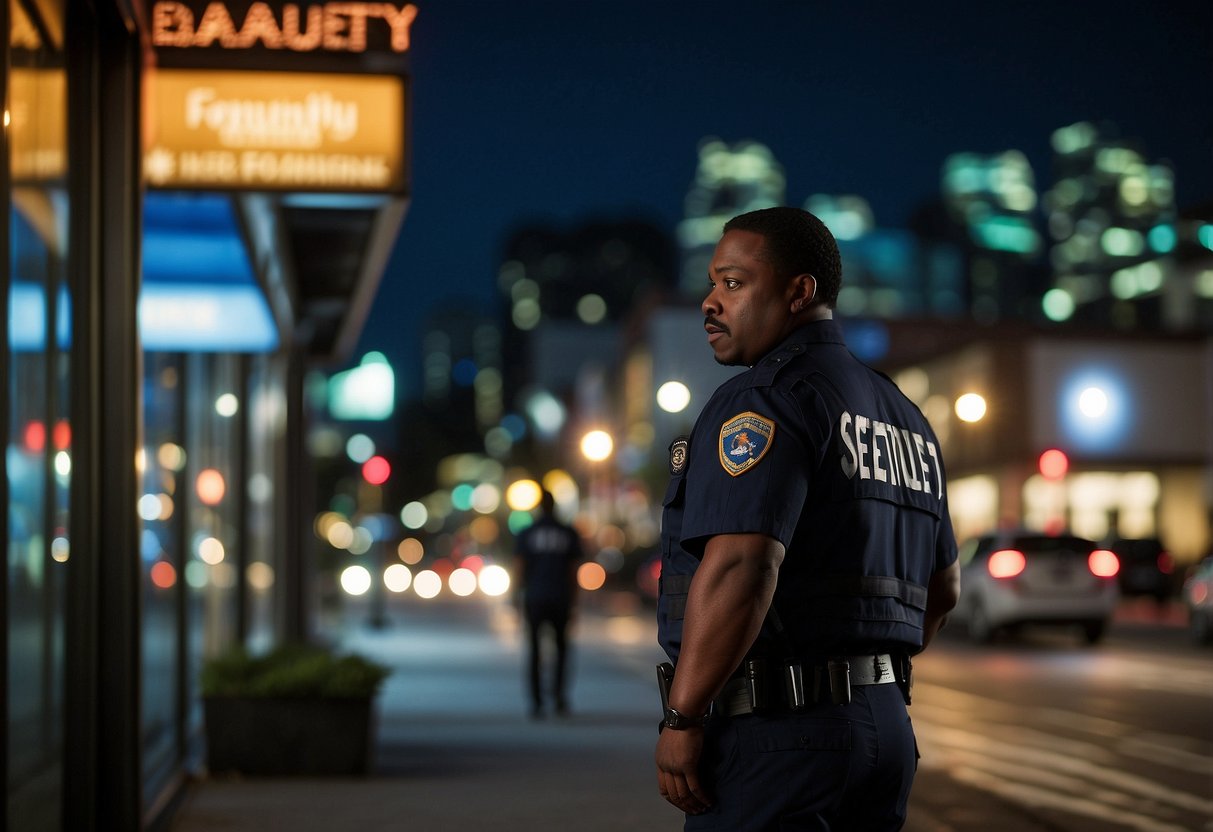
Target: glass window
161,506
38,447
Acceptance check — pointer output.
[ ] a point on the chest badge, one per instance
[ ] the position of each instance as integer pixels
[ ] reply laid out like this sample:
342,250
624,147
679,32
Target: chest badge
744,440
678,455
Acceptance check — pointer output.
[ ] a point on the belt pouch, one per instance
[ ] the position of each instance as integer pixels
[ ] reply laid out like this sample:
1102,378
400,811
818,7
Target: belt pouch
794,685
756,682
840,681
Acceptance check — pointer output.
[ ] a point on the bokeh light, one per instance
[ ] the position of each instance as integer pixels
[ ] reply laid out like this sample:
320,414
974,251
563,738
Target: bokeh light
971,407
1053,464
462,582
673,397
359,448
414,515
597,445
376,470
410,551
355,580
486,497
1093,402
260,576
210,486
227,405
522,495
397,577
427,584
163,574
494,580
211,551
591,576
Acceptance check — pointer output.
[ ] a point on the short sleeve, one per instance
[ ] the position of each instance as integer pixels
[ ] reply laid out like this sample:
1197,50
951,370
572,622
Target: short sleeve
748,470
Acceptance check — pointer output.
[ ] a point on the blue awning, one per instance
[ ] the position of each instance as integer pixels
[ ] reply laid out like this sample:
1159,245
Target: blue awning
199,291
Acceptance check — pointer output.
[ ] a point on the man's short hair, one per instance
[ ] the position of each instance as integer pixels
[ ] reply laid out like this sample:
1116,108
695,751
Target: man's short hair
796,242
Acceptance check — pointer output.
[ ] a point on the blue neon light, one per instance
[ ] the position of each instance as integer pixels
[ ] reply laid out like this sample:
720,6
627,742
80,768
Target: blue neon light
1094,433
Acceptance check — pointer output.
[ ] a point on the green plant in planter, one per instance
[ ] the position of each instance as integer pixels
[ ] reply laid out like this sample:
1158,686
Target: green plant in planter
293,670
299,709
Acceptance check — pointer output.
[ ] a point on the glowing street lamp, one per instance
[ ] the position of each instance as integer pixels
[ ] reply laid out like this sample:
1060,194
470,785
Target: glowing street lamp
597,445
971,407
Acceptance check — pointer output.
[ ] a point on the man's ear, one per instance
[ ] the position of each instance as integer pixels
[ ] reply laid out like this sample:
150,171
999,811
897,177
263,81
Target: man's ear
804,289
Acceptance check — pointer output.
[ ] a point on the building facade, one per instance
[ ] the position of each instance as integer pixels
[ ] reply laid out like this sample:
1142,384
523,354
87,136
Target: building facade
175,258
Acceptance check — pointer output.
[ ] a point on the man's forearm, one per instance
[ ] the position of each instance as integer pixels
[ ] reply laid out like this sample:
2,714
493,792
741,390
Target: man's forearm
943,592
727,603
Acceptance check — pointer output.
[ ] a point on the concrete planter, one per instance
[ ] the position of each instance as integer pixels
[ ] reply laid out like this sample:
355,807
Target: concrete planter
283,735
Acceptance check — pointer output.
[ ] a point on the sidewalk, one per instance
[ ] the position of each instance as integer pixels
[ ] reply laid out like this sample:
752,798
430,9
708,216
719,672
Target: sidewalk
456,750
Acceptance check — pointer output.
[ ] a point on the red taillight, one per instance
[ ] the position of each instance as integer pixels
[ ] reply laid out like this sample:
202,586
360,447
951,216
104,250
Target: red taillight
1166,563
1103,564
1006,563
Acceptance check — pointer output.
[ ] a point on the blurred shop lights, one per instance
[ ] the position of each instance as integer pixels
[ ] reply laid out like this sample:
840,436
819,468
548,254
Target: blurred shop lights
1053,464
366,392
1095,410
355,580
376,470
210,486
971,407
522,495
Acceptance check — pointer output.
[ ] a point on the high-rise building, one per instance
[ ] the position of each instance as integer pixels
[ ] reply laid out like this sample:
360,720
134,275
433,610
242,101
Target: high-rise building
888,272
1112,221
992,201
728,181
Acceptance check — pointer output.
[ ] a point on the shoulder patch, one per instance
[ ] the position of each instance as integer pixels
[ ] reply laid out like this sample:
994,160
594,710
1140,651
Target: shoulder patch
744,440
678,455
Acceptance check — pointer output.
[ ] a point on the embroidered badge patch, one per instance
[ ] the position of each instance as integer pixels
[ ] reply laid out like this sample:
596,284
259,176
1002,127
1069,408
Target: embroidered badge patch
678,455
743,441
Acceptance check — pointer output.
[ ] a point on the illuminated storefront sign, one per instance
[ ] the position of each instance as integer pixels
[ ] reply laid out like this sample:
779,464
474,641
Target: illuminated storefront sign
275,131
37,133
332,27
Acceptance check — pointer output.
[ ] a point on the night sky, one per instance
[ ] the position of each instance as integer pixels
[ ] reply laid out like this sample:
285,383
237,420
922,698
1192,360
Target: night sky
559,111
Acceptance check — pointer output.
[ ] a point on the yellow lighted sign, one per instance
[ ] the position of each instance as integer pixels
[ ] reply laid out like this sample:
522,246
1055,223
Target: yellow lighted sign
36,122
274,131
333,27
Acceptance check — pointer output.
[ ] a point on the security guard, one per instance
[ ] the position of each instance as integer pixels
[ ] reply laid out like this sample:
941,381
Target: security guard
807,553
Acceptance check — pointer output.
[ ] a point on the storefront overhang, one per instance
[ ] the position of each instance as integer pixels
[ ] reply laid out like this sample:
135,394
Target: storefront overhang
297,115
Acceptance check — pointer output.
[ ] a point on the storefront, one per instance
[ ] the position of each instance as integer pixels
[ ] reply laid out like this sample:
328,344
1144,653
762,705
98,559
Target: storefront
201,201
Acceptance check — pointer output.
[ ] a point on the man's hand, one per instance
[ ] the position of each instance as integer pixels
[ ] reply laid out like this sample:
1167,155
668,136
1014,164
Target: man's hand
678,754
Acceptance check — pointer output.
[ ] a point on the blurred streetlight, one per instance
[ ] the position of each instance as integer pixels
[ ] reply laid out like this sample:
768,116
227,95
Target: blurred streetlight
597,445
522,495
971,407
673,397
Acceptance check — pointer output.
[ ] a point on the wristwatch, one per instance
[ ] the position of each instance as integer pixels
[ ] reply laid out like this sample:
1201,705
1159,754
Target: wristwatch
678,721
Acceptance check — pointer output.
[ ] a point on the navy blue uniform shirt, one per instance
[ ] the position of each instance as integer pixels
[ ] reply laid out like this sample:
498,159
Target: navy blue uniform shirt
815,449
549,551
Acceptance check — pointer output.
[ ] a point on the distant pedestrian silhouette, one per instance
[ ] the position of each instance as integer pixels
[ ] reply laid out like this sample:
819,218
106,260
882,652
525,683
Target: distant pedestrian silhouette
546,558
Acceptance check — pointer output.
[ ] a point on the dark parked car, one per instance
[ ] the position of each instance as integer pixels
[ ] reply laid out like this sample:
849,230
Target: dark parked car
1146,568
1198,598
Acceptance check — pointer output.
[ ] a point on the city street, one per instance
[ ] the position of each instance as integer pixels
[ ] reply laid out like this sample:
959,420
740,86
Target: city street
1038,734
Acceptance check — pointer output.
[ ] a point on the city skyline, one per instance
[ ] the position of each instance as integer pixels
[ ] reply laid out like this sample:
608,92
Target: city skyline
560,113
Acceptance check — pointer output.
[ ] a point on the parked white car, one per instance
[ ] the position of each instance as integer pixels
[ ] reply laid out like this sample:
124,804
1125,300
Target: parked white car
1010,579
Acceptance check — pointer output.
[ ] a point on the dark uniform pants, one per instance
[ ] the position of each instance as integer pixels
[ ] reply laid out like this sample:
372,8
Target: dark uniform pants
829,767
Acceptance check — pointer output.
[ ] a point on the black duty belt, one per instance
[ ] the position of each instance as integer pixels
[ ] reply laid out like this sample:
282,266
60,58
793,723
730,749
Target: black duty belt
790,686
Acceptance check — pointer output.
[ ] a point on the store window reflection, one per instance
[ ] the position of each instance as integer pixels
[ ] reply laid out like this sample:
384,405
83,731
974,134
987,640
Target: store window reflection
38,447
164,467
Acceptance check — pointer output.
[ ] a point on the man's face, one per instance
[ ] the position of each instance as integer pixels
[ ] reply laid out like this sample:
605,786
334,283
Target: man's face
748,310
